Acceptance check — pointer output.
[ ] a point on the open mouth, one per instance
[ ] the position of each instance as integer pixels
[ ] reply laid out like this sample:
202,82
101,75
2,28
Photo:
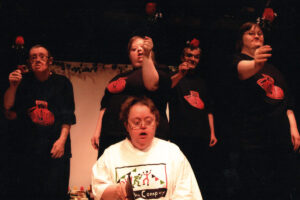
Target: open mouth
143,135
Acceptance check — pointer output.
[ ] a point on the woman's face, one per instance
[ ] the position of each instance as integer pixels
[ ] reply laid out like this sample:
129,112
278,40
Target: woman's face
136,52
141,126
253,38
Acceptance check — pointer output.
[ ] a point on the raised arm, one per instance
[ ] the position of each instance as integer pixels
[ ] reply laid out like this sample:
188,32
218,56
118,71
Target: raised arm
15,79
247,68
150,74
183,69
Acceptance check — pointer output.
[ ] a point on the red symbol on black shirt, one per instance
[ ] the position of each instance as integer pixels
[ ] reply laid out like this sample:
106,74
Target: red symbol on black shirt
40,114
272,91
117,86
194,100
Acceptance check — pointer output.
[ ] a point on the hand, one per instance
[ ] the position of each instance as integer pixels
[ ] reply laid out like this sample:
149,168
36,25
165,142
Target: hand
213,141
295,139
15,78
95,141
58,149
125,191
262,54
121,192
183,68
147,46
129,189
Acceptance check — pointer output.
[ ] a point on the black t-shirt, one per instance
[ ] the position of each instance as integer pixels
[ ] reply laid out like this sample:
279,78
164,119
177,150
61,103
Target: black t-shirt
262,102
42,108
189,106
131,84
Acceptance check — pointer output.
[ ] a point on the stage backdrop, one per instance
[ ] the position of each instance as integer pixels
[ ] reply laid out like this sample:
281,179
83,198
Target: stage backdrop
89,81
88,86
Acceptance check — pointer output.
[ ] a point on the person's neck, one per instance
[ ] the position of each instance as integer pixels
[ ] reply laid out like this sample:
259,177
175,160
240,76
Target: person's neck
248,52
42,76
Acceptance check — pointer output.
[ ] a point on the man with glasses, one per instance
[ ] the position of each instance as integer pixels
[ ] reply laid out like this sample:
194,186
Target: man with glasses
42,104
190,114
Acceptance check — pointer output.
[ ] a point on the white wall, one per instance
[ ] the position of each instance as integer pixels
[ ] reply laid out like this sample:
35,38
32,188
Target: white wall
88,90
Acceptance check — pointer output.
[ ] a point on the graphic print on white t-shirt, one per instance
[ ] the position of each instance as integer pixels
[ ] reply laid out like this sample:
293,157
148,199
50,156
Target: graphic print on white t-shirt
148,181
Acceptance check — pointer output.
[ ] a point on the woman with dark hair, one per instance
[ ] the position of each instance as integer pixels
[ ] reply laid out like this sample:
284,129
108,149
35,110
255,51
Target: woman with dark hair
143,166
144,79
268,129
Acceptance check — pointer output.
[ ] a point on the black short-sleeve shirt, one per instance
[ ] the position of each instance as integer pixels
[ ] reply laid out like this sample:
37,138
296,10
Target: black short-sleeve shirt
42,108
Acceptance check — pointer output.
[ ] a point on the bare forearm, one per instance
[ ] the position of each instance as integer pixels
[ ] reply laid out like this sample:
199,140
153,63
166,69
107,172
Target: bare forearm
114,192
176,78
211,124
150,74
292,120
99,122
248,68
65,130
9,97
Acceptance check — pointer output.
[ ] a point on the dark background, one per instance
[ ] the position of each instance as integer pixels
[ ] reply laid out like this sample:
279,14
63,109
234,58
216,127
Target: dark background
98,31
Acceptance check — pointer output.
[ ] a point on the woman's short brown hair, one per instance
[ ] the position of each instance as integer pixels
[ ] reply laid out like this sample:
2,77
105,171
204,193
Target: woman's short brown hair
131,101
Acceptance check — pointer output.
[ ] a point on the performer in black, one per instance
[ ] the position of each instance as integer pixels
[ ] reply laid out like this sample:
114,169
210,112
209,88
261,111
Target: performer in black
191,117
268,129
43,104
143,80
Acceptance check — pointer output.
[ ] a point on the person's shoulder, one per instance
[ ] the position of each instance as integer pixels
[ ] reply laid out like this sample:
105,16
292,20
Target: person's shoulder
167,144
170,150
60,78
114,147
124,74
241,56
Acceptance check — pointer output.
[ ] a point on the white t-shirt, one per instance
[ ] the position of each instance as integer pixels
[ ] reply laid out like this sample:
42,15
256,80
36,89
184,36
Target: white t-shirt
160,172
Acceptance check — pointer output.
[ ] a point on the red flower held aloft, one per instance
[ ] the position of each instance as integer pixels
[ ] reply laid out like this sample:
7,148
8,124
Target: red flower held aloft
19,40
150,8
269,14
195,43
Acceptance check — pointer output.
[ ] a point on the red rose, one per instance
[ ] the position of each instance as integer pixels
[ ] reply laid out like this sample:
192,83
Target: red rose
20,40
268,14
150,8
195,43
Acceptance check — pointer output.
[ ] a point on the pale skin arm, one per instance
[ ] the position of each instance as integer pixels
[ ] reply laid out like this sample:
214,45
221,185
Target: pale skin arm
116,191
96,136
58,148
15,79
150,74
295,137
183,68
248,68
213,139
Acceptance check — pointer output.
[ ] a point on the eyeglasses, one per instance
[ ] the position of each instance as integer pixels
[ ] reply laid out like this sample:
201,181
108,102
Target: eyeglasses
34,58
138,123
252,33
189,55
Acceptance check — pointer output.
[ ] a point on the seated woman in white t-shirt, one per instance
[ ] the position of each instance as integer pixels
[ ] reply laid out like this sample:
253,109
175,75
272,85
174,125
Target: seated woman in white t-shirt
142,166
